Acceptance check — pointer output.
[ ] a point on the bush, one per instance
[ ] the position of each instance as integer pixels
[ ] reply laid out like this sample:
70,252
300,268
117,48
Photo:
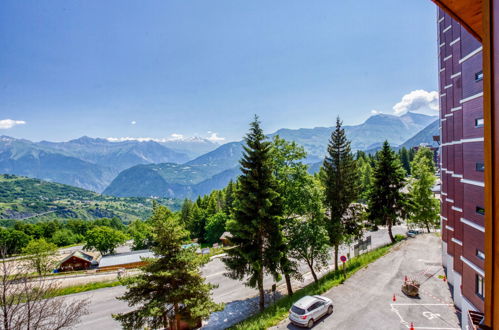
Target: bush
399,238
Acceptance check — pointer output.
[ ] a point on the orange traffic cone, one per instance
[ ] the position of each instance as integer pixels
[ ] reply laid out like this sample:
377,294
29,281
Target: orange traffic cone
412,326
445,278
394,298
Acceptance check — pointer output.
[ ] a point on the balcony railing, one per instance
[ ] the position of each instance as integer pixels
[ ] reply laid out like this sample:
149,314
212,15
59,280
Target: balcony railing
474,320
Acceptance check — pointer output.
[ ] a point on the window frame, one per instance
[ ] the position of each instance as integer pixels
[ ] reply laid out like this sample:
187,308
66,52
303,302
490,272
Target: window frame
479,167
480,286
479,76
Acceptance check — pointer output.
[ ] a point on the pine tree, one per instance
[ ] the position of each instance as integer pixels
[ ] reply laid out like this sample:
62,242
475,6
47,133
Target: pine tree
404,158
198,223
387,202
412,153
186,213
256,227
229,197
424,207
341,182
171,287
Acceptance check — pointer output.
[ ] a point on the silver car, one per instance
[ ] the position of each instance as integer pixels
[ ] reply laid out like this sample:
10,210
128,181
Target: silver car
309,309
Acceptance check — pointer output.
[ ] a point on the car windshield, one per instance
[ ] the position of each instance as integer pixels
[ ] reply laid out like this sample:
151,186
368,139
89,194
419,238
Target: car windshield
297,310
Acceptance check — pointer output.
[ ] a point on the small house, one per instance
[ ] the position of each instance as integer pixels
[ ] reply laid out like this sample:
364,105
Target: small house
78,260
225,238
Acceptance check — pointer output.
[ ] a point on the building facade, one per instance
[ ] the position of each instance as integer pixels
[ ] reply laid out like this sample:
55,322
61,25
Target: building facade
462,163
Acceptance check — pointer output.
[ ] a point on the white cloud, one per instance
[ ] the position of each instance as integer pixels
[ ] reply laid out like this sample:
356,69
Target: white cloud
375,112
215,138
420,101
133,122
9,123
173,137
176,137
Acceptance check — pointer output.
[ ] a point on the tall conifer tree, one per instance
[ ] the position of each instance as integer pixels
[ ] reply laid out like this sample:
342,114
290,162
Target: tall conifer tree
387,203
256,227
341,182
404,158
171,287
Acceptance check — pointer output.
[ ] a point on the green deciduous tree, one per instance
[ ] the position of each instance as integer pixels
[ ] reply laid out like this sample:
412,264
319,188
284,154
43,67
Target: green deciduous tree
215,227
301,197
40,255
424,207
387,203
341,182
365,176
171,287
64,237
424,154
104,239
309,242
256,227
141,233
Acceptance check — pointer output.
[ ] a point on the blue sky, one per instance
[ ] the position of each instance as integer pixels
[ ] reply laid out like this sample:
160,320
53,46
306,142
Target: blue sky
156,68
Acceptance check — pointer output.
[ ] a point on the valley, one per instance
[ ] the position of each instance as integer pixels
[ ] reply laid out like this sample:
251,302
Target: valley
185,169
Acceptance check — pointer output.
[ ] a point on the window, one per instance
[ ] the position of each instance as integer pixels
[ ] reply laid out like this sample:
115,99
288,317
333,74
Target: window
479,76
480,210
479,286
297,310
480,167
480,254
314,306
479,122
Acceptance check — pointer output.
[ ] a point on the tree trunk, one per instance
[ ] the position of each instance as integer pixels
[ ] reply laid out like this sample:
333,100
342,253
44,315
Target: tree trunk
288,284
261,303
166,323
177,318
390,231
313,274
428,227
336,257
311,266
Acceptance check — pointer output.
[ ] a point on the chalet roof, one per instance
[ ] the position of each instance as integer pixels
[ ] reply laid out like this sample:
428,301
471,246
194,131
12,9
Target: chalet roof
125,258
226,235
81,255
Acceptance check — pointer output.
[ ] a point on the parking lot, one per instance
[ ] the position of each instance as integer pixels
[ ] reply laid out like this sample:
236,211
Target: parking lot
366,300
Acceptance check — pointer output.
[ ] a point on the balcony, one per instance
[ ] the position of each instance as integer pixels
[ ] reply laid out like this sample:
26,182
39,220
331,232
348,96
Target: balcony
474,320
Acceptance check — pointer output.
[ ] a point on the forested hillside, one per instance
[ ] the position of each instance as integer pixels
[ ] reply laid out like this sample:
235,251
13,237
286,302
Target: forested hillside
35,200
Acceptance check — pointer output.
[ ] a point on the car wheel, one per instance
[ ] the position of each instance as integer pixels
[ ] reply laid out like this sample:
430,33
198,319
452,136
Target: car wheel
310,323
330,310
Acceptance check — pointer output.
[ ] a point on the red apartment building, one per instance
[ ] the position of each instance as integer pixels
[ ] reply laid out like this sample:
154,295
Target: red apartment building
462,163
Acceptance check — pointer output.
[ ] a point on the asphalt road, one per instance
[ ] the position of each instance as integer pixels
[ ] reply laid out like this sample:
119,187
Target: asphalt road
239,298
365,300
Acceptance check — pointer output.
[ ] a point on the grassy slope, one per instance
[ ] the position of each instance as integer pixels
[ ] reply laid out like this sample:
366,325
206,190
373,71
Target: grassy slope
22,197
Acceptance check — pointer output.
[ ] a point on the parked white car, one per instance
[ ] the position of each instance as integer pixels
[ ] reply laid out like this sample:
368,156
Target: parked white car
309,309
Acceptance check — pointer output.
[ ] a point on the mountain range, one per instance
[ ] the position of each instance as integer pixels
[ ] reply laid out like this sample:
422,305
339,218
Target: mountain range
86,162
129,167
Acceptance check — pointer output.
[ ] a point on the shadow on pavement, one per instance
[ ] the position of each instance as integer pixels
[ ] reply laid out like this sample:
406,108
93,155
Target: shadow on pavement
237,311
321,321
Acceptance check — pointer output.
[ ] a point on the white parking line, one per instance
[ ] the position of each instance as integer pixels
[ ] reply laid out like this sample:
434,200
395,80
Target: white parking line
408,324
